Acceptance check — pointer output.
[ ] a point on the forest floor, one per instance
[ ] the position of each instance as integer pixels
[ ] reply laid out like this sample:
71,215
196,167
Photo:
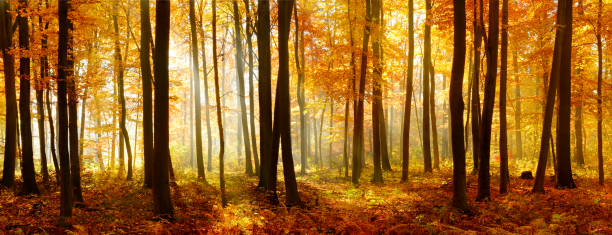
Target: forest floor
331,205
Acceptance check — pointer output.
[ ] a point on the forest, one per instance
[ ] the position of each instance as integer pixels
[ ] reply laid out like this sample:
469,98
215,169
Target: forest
306,116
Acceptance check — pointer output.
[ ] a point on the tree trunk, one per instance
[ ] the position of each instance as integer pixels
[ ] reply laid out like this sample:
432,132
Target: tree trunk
426,89
559,51
75,161
63,74
484,178
564,164
10,143
27,158
52,131
161,188
517,108
299,44
249,34
320,142
456,106
82,131
330,133
265,93
358,148
600,163
475,90
241,91
147,90
408,96
432,114
40,109
504,175
282,129
196,87
377,122
218,100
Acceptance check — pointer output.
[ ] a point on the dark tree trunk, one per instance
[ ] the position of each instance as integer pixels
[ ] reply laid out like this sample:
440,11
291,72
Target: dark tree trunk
161,187
456,106
504,175
475,90
147,90
408,97
10,143
75,162
564,164
282,129
351,97
432,114
40,109
559,51
241,91
600,163
63,74
484,178
218,100
426,100
196,88
52,131
358,149
377,112
27,158
82,130
265,93
249,34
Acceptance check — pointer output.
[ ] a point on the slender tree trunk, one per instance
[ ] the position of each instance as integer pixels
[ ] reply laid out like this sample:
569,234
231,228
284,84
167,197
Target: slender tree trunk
504,174
249,34
320,142
161,187
358,148
265,93
432,114
484,178
10,143
52,132
408,96
82,130
551,95
426,89
40,109
218,100
98,147
147,90
241,91
27,158
330,133
456,106
196,87
475,90
517,108
63,74
377,122
299,44
600,163
75,161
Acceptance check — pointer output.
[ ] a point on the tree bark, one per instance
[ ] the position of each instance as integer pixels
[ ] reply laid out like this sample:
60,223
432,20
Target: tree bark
564,164
559,49
218,100
504,174
600,163
249,34
475,90
241,91
432,114
161,187
196,87
426,100
408,96
63,74
456,106
358,148
27,158
484,178
299,50
10,143
265,93
147,90
282,129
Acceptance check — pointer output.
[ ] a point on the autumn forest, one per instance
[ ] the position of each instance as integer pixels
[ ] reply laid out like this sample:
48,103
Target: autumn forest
306,116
